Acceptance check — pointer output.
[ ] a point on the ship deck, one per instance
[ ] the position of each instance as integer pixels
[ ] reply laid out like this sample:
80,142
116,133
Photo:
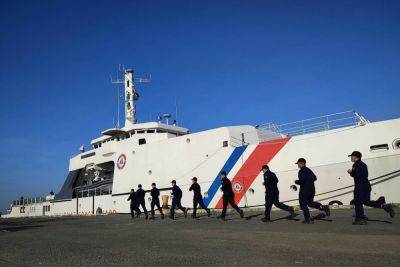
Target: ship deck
117,240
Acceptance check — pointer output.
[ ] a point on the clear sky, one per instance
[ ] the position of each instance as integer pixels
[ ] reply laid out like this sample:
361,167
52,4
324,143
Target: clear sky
223,63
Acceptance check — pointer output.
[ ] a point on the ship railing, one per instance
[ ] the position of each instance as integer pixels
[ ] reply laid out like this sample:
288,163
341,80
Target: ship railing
97,191
312,125
28,201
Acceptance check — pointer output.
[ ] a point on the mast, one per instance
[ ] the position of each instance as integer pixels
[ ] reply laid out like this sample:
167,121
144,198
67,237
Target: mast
131,95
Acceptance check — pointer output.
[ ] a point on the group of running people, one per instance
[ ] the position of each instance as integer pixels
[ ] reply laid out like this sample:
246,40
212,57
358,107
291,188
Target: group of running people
306,181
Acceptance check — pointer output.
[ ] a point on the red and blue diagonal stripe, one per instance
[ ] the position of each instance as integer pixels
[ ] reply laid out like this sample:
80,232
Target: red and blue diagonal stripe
233,158
251,168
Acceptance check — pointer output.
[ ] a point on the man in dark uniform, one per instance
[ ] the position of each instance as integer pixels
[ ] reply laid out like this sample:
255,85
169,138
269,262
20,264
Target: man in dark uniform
140,194
272,194
176,200
132,198
197,198
228,196
362,190
307,191
155,201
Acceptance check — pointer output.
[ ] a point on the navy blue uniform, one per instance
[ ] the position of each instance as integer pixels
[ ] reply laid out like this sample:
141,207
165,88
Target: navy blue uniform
228,197
272,194
362,189
197,198
176,200
155,201
140,194
132,198
307,191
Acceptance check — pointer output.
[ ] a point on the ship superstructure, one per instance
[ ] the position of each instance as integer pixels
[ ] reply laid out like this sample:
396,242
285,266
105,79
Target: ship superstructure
99,180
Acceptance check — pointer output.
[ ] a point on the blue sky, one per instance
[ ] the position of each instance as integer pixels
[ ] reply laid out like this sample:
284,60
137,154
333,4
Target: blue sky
224,63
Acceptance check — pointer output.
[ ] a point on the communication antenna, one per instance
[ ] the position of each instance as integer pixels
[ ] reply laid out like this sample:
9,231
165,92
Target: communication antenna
167,116
131,95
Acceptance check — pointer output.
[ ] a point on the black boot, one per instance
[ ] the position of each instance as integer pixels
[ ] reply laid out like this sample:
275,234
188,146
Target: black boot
389,209
208,212
221,217
381,200
360,222
308,221
241,214
327,210
291,211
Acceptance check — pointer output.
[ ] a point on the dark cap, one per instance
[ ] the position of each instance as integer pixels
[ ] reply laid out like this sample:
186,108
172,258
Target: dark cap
153,184
139,185
223,173
265,167
356,153
301,160
173,181
194,179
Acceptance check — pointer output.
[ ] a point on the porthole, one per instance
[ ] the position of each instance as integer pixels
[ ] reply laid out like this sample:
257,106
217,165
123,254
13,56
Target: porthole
396,144
206,194
150,172
133,152
251,191
188,140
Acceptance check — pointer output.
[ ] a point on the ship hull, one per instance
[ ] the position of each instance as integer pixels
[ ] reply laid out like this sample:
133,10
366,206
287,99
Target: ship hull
203,155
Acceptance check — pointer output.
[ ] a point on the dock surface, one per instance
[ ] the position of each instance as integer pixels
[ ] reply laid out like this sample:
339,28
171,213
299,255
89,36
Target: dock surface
118,240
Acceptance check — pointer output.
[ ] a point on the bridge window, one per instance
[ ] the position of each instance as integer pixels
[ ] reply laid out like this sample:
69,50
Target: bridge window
379,147
142,141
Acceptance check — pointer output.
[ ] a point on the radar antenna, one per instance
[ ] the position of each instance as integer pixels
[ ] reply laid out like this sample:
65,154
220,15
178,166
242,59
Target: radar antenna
131,95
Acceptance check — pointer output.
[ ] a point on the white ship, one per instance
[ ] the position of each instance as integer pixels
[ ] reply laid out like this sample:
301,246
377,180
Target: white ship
99,180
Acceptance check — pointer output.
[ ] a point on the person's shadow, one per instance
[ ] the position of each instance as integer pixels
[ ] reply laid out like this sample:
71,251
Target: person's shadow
321,217
290,217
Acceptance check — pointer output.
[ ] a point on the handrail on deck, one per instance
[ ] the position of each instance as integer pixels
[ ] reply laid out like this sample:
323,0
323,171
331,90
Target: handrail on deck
312,125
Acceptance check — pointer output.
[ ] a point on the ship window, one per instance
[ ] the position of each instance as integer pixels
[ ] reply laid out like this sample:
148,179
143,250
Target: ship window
95,146
379,147
88,155
140,131
225,143
127,83
142,141
150,131
160,131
